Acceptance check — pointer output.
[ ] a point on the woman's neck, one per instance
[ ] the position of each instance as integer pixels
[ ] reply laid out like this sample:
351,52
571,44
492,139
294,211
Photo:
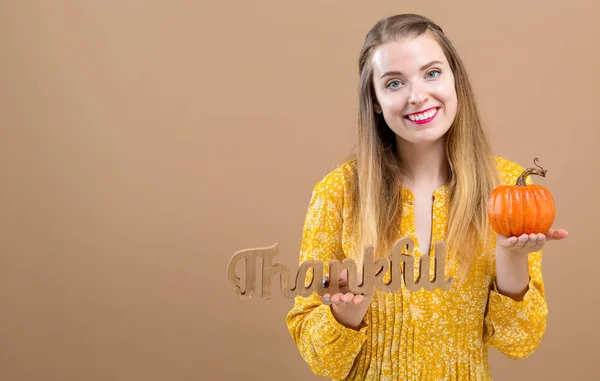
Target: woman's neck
425,165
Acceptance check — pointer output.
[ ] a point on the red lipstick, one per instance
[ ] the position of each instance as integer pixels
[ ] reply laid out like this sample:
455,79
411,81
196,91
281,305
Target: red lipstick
423,121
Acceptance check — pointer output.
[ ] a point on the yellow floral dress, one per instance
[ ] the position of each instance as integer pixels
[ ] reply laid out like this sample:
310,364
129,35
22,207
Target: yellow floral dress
423,335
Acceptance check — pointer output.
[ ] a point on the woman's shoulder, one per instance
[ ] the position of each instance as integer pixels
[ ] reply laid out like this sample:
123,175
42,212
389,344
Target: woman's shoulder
509,170
335,184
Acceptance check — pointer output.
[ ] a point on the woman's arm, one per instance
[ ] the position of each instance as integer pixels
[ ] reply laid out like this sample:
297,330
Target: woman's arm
327,346
516,317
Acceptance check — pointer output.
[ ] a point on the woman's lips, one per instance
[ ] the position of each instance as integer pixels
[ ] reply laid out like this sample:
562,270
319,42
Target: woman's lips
423,117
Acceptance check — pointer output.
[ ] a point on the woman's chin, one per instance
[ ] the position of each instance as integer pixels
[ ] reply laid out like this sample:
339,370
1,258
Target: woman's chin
422,137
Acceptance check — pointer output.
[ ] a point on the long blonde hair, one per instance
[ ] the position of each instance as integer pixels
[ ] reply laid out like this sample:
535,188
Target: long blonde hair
378,173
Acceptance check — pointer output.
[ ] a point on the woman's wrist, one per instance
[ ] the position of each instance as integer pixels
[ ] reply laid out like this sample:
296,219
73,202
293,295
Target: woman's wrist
512,273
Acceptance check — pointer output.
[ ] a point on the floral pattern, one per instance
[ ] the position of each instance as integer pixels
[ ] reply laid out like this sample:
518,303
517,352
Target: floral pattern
424,335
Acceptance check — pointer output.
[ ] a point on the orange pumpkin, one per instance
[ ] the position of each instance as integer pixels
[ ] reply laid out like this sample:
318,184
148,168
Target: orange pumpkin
521,209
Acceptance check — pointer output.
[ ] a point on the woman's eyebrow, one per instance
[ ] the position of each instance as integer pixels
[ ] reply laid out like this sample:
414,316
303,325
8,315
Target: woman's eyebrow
395,72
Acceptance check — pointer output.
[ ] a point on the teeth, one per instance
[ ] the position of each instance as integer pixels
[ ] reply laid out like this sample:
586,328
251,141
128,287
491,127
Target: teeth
422,116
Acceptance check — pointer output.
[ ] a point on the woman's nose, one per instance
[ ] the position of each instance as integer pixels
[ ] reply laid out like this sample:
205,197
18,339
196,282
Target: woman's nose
418,94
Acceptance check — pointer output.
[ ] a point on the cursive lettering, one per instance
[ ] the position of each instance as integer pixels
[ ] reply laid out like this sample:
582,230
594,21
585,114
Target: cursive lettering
399,266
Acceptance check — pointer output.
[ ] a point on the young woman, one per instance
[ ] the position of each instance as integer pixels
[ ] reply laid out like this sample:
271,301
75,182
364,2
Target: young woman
423,168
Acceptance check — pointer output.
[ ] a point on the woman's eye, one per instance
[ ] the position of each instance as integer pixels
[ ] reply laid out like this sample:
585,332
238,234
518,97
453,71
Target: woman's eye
434,74
394,84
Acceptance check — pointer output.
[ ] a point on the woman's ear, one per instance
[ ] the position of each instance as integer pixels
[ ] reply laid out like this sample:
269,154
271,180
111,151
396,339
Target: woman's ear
377,108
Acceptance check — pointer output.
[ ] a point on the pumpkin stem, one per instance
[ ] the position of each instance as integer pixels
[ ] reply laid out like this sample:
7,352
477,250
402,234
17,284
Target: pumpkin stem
531,171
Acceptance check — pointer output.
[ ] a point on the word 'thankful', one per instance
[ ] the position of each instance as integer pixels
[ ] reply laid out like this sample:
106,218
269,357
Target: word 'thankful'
373,272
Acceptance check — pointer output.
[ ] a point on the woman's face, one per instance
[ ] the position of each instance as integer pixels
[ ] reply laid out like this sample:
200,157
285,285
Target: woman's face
415,89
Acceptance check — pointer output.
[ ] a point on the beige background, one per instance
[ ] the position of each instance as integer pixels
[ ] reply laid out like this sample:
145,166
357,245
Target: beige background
143,143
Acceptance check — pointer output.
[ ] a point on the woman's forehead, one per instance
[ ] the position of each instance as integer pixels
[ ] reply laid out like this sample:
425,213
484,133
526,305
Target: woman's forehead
407,54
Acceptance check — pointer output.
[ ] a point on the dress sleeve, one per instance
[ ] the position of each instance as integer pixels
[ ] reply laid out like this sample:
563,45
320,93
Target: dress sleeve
513,327
327,346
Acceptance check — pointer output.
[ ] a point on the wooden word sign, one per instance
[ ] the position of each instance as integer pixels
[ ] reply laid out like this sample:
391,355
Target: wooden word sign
373,272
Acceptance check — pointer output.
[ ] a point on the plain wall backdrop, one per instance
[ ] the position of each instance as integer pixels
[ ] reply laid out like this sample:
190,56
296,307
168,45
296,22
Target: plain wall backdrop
143,143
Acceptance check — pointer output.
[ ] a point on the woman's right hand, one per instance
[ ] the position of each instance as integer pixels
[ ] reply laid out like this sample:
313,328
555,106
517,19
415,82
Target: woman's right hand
347,308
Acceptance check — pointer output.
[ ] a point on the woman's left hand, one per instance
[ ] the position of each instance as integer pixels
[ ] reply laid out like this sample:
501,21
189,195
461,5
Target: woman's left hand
528,243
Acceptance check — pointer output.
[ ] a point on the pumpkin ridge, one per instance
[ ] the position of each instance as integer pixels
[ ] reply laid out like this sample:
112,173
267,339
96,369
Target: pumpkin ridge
504,210
546,198
515,208
501,207
539,199
532,211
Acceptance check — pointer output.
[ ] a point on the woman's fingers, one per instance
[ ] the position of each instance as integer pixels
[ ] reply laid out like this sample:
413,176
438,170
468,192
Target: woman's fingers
342,281
531,241
556,234
524,242
343,298
541,240
347,297
523,239
336,298
358,299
